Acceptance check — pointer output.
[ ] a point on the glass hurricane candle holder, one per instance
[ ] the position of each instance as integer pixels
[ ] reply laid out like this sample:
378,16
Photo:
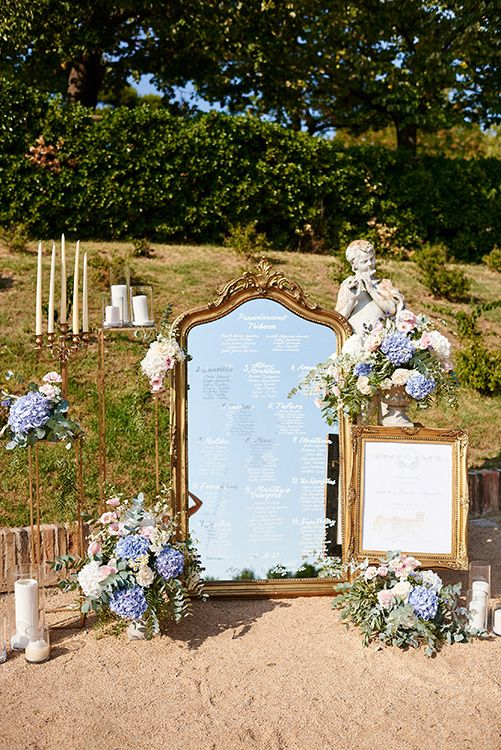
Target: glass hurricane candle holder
26,592
37,648
142,306
480,576
3,640
496,617
478,607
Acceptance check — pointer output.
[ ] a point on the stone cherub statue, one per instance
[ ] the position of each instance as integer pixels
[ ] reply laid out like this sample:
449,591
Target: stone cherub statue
362,298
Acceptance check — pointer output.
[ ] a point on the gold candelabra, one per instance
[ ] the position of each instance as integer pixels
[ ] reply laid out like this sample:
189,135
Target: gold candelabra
62,346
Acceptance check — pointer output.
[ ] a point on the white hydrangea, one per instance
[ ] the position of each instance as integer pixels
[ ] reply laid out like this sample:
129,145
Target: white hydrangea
89,579
440,344
354,346
431,580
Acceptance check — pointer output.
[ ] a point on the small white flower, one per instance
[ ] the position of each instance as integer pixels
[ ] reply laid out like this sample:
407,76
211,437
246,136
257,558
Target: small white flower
50,391
145,576
386,384
363,385
370,573
354,346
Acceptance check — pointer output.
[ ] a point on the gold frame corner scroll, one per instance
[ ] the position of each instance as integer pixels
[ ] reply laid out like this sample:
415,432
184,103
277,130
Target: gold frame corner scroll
355,549
262,282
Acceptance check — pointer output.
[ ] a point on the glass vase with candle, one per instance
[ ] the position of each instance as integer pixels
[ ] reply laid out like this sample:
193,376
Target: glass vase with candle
496,616
478,607
142,306
26,591
37,648
480,573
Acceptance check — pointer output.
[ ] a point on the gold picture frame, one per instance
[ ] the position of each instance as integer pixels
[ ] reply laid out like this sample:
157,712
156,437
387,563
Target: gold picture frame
442,470
263,282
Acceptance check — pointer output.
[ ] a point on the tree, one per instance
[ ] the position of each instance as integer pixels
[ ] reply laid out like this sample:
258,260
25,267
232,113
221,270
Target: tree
412,64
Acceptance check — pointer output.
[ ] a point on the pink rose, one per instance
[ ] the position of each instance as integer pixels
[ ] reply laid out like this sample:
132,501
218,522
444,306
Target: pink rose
156,384
94,548
108,517
382,571
425,341
114,529
113,501
52,377
447,365
370,573
406,321
105,571
385,598
147,531
49,391
169,363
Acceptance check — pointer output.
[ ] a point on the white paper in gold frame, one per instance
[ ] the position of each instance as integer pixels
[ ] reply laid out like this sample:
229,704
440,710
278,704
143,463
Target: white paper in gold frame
409,493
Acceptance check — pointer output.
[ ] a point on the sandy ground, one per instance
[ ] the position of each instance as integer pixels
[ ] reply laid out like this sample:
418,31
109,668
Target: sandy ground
266,674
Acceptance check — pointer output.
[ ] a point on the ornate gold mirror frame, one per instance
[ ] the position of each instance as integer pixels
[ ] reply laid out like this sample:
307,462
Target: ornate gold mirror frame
266,284
418,493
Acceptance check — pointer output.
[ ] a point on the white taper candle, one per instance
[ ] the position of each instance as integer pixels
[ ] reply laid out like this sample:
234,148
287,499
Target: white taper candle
38,320
76,326
85,298
52,284
62,312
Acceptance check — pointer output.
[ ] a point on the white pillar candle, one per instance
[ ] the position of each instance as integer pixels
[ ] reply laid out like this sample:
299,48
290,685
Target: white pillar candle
62,312
37,651
85,298
26,609
76,326
480,587
119,299
112,315
52,284
140,307
496,621
38,317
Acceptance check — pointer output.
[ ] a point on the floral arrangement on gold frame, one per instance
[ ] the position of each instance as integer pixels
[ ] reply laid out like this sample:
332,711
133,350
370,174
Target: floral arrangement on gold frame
261,283
421,471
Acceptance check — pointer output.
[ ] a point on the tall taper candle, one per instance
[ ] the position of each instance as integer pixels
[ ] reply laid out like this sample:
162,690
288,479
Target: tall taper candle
62,312
76,326
38,320
85,298
50,326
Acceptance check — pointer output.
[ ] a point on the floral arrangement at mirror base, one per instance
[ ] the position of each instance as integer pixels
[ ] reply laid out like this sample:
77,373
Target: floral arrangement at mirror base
136,572
394,604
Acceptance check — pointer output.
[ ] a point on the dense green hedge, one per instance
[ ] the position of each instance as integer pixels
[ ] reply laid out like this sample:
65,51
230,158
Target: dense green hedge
143,172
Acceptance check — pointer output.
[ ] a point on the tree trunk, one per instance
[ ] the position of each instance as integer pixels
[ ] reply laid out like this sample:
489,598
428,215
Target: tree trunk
407,137
85,79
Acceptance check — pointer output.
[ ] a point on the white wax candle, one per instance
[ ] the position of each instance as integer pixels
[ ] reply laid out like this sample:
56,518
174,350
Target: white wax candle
38,317
478,612
119,299
496,621
85,298
480,587
76,326
37,651
26,609
140,307
62,312
52,284
112,315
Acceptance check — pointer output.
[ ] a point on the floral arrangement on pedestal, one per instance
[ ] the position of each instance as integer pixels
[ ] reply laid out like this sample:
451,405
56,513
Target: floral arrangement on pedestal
136,569
395,604
403,352
160,358
39,414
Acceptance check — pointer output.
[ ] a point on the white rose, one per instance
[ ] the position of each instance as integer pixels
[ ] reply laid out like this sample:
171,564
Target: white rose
386,384
49,391
400,376
145,576
406,321
363,385
401,589
89,579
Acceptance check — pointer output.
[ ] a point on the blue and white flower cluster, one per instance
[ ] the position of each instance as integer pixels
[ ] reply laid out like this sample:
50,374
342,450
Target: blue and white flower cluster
39,414
394,603
404,352
136,567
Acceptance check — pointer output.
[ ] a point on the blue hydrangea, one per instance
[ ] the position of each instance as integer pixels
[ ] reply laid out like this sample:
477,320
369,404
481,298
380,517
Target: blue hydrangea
424,601
130,603
170,562
132,546
418,386
398,348
363,368
29,412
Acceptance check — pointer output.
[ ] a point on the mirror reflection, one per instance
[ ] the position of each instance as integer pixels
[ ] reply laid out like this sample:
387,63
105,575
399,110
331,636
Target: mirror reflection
262,470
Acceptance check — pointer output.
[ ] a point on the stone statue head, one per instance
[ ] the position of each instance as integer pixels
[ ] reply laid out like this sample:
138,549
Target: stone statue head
361,256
